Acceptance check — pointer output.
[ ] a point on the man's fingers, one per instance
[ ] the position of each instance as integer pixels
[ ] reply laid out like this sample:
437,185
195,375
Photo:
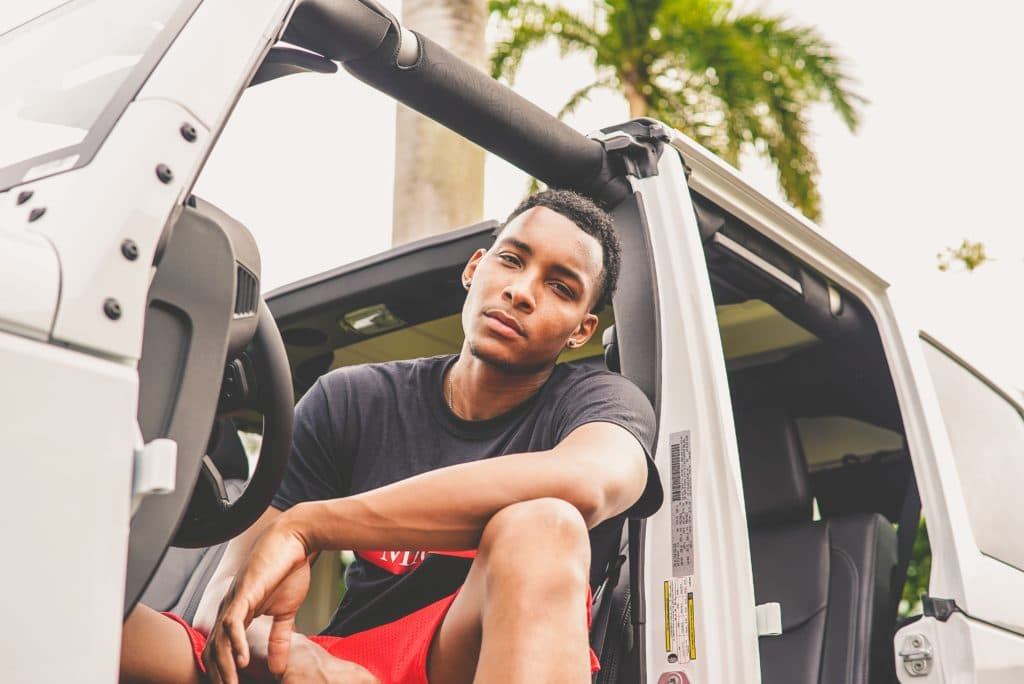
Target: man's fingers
227,651
278,644
225,660
234,627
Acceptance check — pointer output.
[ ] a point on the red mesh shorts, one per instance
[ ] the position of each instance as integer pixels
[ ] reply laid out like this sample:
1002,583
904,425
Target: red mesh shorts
395,653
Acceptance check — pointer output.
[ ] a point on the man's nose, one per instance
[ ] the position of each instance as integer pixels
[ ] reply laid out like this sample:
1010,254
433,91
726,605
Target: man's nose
519,294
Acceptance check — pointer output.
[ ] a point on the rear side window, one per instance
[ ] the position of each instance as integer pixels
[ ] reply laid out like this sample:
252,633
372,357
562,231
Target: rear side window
832,439
986,431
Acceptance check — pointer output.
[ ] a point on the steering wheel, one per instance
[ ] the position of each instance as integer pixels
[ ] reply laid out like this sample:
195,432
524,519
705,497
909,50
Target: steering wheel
258,379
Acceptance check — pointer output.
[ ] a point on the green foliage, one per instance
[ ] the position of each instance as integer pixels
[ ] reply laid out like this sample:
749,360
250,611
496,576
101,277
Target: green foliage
732,81
969,254
918,573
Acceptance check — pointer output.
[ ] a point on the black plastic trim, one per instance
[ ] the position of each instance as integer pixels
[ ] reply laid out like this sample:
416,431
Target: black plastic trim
301,298
282,61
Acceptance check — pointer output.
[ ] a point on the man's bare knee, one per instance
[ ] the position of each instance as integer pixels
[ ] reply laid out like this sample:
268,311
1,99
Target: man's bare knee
551,527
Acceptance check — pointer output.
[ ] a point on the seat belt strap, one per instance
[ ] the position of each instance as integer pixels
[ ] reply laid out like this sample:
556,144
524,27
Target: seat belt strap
910,515
599,628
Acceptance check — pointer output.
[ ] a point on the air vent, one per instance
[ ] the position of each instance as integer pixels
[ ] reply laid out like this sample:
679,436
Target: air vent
247,292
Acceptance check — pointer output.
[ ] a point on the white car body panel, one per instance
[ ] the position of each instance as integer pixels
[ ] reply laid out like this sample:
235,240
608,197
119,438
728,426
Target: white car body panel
29,282
66,503
214,58
90,212
695,398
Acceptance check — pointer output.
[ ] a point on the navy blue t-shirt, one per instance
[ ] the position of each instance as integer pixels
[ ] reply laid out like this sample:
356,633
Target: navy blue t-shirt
362,427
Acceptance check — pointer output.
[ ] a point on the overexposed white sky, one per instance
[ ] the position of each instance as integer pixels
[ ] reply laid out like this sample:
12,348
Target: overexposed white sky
307,161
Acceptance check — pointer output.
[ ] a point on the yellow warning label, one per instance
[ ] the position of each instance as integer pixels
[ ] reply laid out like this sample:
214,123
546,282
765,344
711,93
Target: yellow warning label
668,621
680,642
691,630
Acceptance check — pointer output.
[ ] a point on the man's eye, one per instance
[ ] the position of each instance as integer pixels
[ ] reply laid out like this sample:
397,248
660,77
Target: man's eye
509,258
564,290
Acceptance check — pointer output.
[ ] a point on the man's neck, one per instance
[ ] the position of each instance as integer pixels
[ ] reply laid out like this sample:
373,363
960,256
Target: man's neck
477,390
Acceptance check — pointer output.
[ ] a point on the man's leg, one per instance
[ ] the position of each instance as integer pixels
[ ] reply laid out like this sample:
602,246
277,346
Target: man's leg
156,649
521,615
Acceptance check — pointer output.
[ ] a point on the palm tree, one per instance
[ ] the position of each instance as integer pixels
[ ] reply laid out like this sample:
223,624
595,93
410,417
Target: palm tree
427,202
732,81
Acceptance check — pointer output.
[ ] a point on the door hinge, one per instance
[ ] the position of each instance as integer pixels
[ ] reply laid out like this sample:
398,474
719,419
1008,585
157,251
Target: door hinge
917,655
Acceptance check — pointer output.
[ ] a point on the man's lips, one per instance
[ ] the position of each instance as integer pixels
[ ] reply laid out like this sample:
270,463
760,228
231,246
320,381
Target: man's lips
506,321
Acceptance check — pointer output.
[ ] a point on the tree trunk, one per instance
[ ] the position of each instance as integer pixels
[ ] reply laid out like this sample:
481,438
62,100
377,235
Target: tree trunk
636,100
439,176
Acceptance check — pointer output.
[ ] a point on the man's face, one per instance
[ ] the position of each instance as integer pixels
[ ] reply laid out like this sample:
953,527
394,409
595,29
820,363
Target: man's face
532,292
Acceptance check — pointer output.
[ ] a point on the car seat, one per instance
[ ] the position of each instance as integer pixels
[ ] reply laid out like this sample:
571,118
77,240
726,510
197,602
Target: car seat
831,577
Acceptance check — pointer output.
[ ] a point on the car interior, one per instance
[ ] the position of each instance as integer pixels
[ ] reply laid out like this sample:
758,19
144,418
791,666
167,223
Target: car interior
823,456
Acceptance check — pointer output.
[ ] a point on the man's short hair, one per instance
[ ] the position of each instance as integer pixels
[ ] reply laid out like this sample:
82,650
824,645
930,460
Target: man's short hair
592,220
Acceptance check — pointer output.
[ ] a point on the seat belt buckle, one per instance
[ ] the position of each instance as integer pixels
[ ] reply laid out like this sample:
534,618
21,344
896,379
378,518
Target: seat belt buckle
769,619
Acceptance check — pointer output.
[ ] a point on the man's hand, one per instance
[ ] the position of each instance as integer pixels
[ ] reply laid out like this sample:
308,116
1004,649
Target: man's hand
274,582
311,664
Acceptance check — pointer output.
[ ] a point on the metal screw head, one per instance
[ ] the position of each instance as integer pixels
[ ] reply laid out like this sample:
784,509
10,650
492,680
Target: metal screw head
24,196
112,308
36,213
164,173
130,250
916,642
188,132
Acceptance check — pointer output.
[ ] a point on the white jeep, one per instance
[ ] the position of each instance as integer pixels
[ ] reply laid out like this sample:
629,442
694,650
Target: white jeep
801,414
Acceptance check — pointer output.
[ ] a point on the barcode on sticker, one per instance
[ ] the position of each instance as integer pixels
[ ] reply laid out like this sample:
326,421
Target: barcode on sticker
677,469
682,503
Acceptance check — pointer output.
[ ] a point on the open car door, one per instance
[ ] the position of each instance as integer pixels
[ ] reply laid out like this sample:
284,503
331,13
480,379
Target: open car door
970,478
696,599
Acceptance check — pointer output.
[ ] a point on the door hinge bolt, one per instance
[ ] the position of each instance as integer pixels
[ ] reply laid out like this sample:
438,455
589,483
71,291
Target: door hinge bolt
164,173
130,250
112,308
917,655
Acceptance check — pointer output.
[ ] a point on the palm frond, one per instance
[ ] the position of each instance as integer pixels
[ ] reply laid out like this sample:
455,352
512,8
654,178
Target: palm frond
583,94
632,20
808,59
788,147
530,24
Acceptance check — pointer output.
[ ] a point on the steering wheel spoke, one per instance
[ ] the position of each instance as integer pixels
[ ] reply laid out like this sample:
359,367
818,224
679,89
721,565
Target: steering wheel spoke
210,474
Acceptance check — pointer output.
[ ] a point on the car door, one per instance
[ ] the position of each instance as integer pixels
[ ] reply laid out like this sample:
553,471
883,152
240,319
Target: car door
698,603
970,473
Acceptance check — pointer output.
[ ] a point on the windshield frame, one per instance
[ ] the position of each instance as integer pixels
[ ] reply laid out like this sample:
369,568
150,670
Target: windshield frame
80,154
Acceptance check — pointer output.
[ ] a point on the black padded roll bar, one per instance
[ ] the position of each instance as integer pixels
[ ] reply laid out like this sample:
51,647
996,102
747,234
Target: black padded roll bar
436,83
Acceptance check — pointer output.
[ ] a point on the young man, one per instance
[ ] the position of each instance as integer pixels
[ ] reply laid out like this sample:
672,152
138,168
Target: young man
498,475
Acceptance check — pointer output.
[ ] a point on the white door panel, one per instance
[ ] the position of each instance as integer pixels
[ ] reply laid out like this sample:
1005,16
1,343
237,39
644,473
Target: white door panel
66,505
695,406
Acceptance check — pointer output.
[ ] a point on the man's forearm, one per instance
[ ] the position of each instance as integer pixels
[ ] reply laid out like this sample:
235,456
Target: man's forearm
448,508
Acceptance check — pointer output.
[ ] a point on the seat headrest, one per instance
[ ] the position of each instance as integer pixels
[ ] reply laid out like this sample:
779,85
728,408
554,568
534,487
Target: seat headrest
611,349
772,465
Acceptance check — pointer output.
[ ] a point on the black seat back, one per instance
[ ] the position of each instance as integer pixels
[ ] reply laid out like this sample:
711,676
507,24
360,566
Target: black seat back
831,577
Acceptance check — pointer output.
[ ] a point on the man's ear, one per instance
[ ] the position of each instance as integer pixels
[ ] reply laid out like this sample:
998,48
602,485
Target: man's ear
584,331
470,269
